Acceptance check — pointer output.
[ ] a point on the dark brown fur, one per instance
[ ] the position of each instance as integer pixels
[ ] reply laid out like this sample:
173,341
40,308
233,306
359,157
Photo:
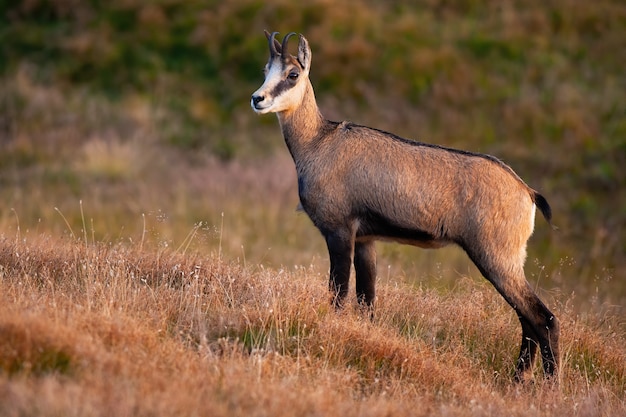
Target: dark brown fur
359,184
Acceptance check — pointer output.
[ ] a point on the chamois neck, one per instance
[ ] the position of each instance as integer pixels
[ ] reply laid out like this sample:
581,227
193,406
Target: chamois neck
301,124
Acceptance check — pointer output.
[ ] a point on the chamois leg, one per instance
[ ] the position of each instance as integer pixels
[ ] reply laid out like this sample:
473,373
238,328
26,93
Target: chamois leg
540,328
365,267
528,352
340,249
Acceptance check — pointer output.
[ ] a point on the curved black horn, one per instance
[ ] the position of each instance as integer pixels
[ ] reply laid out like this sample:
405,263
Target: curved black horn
285,40
272,40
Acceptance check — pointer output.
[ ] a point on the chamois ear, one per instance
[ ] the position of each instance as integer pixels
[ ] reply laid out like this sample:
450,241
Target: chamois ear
304,53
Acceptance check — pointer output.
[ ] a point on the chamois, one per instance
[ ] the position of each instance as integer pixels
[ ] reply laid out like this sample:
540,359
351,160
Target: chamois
358,185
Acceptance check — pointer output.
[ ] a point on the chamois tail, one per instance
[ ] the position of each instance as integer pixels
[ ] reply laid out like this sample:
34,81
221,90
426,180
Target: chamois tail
542,204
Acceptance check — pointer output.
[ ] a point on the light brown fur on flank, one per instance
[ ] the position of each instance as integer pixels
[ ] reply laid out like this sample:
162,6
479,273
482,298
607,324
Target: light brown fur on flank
359,184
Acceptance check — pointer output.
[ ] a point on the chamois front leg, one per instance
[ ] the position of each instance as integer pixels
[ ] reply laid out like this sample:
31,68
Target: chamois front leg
340,248
365,267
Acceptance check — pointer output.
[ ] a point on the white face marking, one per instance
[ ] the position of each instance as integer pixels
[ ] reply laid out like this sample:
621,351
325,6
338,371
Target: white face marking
289,92
272,78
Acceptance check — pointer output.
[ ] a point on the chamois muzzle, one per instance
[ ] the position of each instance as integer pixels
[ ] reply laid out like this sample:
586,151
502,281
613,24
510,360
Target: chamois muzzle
254,102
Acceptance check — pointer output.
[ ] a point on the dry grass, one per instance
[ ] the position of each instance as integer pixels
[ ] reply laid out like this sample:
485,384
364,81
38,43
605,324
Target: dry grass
92,329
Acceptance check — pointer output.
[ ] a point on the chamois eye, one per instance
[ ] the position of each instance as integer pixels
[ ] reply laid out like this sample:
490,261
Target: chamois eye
293,75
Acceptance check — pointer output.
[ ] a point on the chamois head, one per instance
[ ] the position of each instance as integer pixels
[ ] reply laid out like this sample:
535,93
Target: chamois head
285,76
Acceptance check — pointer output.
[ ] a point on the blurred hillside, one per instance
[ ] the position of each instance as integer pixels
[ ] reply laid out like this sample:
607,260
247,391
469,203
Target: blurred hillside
136,90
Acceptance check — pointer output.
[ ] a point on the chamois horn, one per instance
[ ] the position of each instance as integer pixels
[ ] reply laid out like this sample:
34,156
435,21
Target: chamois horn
285,40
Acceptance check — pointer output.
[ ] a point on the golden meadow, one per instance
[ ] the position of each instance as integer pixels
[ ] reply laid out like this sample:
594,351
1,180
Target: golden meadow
152,259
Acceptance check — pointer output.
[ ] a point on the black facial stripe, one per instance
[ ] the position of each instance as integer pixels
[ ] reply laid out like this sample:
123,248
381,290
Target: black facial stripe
281,87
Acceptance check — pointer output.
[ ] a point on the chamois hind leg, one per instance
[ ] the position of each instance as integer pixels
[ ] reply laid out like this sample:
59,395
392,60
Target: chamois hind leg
365,267
340,248
528,352
540,328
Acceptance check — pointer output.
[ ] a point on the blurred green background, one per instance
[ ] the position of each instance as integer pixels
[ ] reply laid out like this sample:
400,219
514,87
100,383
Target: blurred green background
129,120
